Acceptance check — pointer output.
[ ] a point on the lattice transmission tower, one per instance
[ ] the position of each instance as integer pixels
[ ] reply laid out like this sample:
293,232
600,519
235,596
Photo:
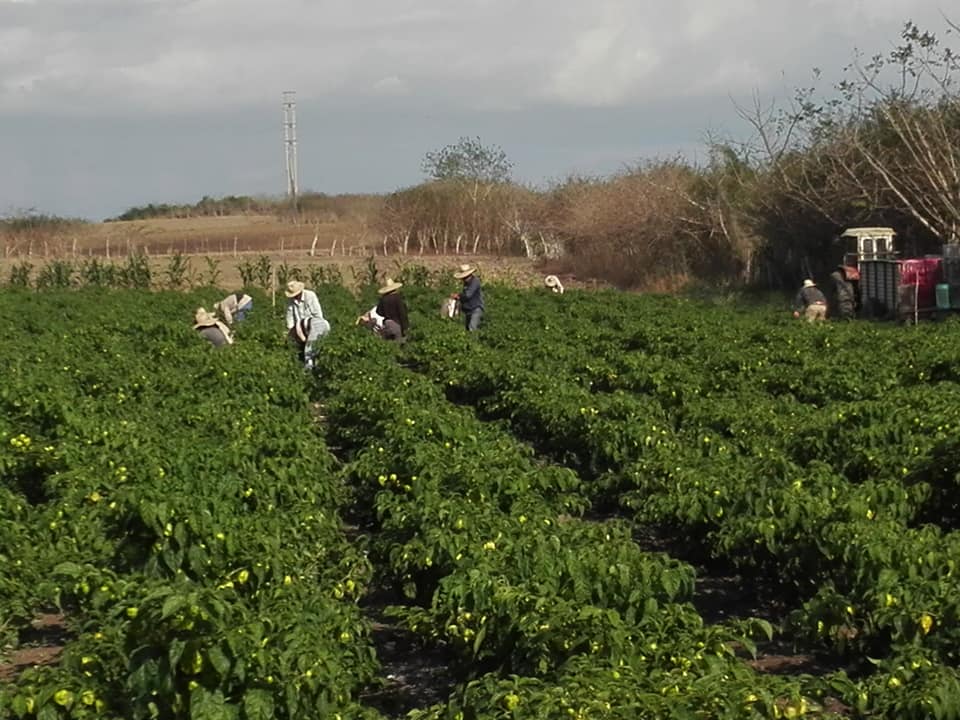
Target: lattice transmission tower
290,142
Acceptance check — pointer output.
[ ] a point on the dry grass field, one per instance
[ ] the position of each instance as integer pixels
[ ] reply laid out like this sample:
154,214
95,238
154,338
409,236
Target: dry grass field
232,234
217,247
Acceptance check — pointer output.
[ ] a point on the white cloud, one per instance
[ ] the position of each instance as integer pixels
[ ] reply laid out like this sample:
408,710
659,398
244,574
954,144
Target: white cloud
138,94
390,85
76,55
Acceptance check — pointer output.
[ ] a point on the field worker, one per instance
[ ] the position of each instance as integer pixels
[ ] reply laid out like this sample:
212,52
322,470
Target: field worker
470,297
211,329
844,294
234,306
302,304
299,334
553,282
372,320
393,309
811,301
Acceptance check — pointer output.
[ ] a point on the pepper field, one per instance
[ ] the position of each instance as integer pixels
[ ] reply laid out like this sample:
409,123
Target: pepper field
536,512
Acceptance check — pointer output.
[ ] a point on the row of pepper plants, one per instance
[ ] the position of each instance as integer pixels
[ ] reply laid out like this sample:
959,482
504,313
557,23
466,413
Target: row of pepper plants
820,461
487,553
179,507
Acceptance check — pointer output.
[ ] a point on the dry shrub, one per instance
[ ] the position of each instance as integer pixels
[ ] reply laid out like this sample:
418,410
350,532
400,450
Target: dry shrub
318,207
459,216
651,227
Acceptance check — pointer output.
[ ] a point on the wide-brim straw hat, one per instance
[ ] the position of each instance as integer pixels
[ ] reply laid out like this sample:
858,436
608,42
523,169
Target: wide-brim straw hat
808,283
551,281
203,319
294,288
465,272
390,286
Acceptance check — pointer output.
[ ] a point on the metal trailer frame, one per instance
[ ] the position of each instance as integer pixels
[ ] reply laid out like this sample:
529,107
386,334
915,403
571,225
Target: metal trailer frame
883,294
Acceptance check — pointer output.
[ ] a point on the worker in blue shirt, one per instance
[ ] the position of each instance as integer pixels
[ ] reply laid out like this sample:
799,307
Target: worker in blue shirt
471,297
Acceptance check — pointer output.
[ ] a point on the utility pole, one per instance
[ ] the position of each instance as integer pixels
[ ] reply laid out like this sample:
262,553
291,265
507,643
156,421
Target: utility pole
290,142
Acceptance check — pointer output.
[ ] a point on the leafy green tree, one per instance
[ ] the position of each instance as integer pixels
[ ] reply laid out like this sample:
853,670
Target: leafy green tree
468,159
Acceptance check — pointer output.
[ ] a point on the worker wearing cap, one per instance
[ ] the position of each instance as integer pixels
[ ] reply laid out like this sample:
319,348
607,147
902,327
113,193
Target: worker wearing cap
303,305
811,302
211,329
471,297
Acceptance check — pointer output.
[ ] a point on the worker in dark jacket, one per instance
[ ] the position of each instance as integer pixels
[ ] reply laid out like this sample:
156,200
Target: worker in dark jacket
845,296
393,309
811,302
388,318
471,297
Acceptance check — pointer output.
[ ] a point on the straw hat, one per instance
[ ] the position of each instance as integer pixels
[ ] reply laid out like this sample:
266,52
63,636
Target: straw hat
808,283
551,281
294,288
465,272
203,319
390,286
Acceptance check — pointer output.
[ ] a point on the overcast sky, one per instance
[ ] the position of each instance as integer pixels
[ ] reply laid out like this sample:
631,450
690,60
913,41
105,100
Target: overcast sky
106,104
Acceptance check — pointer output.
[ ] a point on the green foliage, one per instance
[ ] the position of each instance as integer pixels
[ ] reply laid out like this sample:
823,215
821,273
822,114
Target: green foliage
263,271
468,160
325,275
178,270
182,507
368,274
55,274
212,274
20,274
418,275
97,273
153,491
247,270
32,222
286,273
135,272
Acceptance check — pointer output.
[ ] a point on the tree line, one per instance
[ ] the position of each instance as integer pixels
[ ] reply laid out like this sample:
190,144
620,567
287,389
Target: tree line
879,147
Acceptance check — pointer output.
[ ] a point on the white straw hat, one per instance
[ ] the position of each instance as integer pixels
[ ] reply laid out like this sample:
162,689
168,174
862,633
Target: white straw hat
466,271
203,319
294,288
390,286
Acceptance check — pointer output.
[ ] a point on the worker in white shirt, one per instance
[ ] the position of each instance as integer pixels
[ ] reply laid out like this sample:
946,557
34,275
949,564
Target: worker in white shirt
305,319
234,306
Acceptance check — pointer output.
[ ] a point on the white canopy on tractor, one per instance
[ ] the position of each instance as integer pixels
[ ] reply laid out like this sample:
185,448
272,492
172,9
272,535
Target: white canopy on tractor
867,243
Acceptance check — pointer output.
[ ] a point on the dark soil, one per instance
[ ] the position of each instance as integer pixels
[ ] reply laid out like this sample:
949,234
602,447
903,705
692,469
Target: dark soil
40,644
414,675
